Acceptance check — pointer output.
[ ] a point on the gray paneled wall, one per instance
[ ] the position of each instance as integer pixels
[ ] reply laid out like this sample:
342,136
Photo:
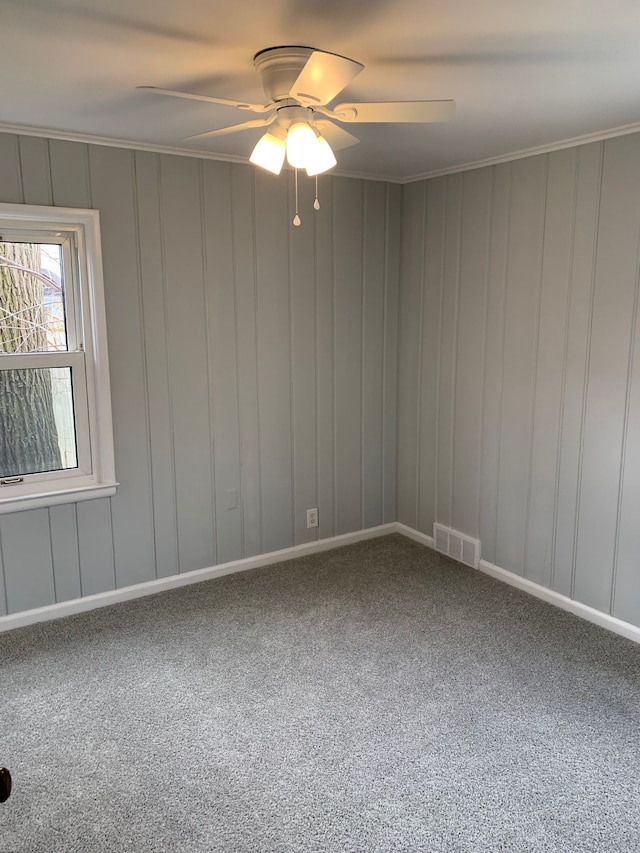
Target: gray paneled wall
256,367
253,366
519,367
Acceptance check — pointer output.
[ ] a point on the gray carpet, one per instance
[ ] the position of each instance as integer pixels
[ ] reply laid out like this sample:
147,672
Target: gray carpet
374,698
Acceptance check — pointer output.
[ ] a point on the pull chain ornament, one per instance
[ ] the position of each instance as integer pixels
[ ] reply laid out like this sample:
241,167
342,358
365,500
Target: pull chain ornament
316,203
296,218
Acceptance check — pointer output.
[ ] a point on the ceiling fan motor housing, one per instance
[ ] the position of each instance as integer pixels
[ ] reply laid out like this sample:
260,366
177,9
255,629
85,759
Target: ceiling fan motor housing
279,68
292,113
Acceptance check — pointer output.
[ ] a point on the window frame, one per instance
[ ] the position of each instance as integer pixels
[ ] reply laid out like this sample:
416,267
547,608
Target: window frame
95,475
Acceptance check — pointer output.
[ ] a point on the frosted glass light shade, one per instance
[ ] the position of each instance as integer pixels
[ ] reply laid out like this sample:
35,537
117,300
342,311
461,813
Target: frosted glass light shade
301,142
269,153
322,157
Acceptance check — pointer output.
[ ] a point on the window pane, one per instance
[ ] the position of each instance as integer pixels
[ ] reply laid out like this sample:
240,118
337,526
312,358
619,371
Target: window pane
32,315
37,431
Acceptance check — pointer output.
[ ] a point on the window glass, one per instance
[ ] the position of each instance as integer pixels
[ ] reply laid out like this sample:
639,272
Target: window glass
32,305
38,431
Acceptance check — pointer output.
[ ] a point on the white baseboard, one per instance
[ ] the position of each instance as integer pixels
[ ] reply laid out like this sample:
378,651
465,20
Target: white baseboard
416,535
604,620
597,617
102,599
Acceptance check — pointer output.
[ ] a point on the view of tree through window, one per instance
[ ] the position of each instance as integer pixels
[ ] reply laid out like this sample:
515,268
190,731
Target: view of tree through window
37,432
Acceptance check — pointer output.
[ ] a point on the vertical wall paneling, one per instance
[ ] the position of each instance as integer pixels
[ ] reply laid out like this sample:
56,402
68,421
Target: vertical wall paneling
155,319
10,179
373,275
518,374
26,557
254,367
183,258
71,187
241,362
390,378
64,549
35,170
223,370
274,372
626,591
286,369
37,189
325,404
303,344
474,257
543,449
69,162
95,546
552,329
245,285
3,596
494,321
447,349
587,200
112,192
433,266
409,339
615,282
347,239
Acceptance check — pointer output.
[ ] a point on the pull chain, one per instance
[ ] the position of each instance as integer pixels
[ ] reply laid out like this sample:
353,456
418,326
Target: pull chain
316,203
296,218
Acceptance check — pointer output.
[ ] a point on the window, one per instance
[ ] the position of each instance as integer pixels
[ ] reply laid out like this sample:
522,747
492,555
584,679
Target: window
56,442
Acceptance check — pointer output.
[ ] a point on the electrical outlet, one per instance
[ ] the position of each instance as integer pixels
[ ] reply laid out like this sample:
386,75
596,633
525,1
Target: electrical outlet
312,517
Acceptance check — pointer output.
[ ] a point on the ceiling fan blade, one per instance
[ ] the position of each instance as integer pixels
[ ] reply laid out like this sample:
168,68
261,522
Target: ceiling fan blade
396,111
323,77
233,128
211,99
336,136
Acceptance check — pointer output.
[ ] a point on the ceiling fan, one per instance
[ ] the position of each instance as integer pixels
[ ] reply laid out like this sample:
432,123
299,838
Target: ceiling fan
299,83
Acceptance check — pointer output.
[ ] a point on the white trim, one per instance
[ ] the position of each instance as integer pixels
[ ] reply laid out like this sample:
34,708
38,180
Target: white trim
416,535
95,320
507,157
597,617
91,602
58,496
200,154
102,599
546,148
110,142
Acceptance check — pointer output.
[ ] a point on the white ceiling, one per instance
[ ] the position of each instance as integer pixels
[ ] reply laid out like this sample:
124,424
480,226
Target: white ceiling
523,73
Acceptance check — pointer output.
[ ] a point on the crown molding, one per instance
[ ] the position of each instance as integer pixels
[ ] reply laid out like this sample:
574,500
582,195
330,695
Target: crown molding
110,142
92,139
547,148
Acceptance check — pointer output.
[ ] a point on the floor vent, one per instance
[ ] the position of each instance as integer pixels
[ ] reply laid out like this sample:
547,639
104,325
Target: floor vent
456,545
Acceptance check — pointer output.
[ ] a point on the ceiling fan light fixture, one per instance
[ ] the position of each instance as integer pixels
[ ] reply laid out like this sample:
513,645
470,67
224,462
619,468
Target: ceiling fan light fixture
301,145
299,84
322,158
269,153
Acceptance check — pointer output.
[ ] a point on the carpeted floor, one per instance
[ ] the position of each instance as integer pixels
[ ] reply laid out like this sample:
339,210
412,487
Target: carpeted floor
374,698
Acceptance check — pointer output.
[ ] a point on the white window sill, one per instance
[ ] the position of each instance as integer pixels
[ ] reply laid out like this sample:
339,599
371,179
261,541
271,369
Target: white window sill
16,503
